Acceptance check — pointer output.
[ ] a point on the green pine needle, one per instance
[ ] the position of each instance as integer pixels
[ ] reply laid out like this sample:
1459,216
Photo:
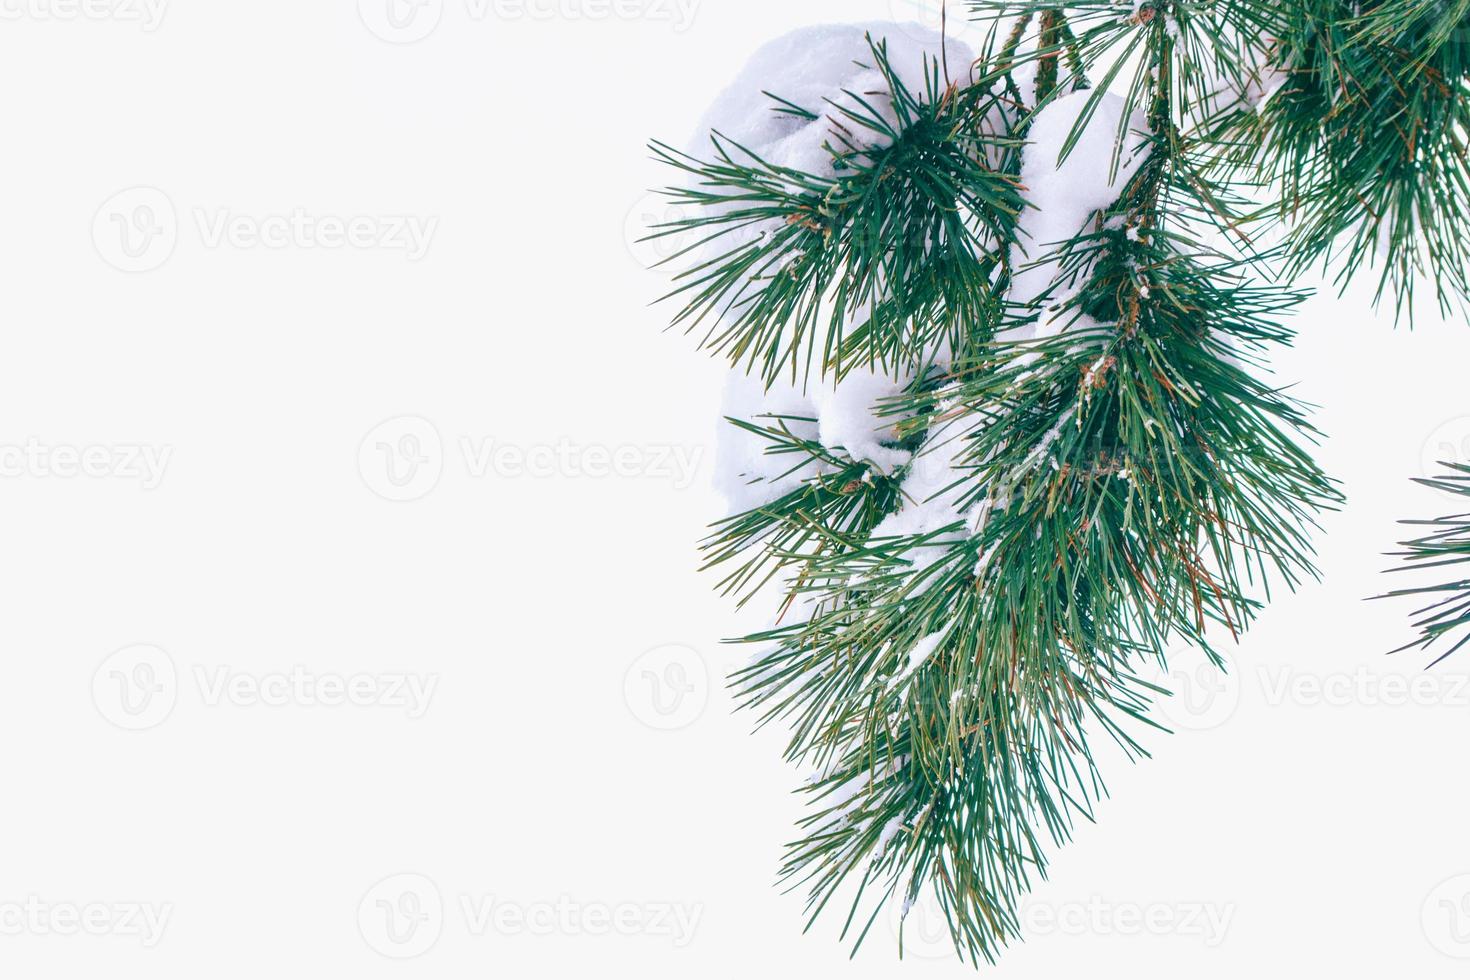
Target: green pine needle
1444,549
893,252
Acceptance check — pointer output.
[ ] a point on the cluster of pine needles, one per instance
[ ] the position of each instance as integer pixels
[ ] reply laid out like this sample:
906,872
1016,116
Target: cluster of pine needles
1133,483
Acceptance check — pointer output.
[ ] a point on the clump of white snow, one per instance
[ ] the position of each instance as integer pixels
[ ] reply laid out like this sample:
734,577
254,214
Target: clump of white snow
813,67
819,69
933,492
847,416
1065,194
746,474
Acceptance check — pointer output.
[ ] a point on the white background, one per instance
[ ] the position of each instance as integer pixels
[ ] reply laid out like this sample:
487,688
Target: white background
557,613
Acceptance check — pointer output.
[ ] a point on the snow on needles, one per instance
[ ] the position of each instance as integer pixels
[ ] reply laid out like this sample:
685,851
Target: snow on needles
818,68
813,67
1065,194
1063,197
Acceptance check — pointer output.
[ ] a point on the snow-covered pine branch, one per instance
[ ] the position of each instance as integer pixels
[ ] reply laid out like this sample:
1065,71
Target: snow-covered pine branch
1001,428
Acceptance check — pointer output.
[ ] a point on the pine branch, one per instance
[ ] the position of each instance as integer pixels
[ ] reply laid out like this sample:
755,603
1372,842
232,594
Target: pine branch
891,255
956,636
1366,141
1087,463
839,501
